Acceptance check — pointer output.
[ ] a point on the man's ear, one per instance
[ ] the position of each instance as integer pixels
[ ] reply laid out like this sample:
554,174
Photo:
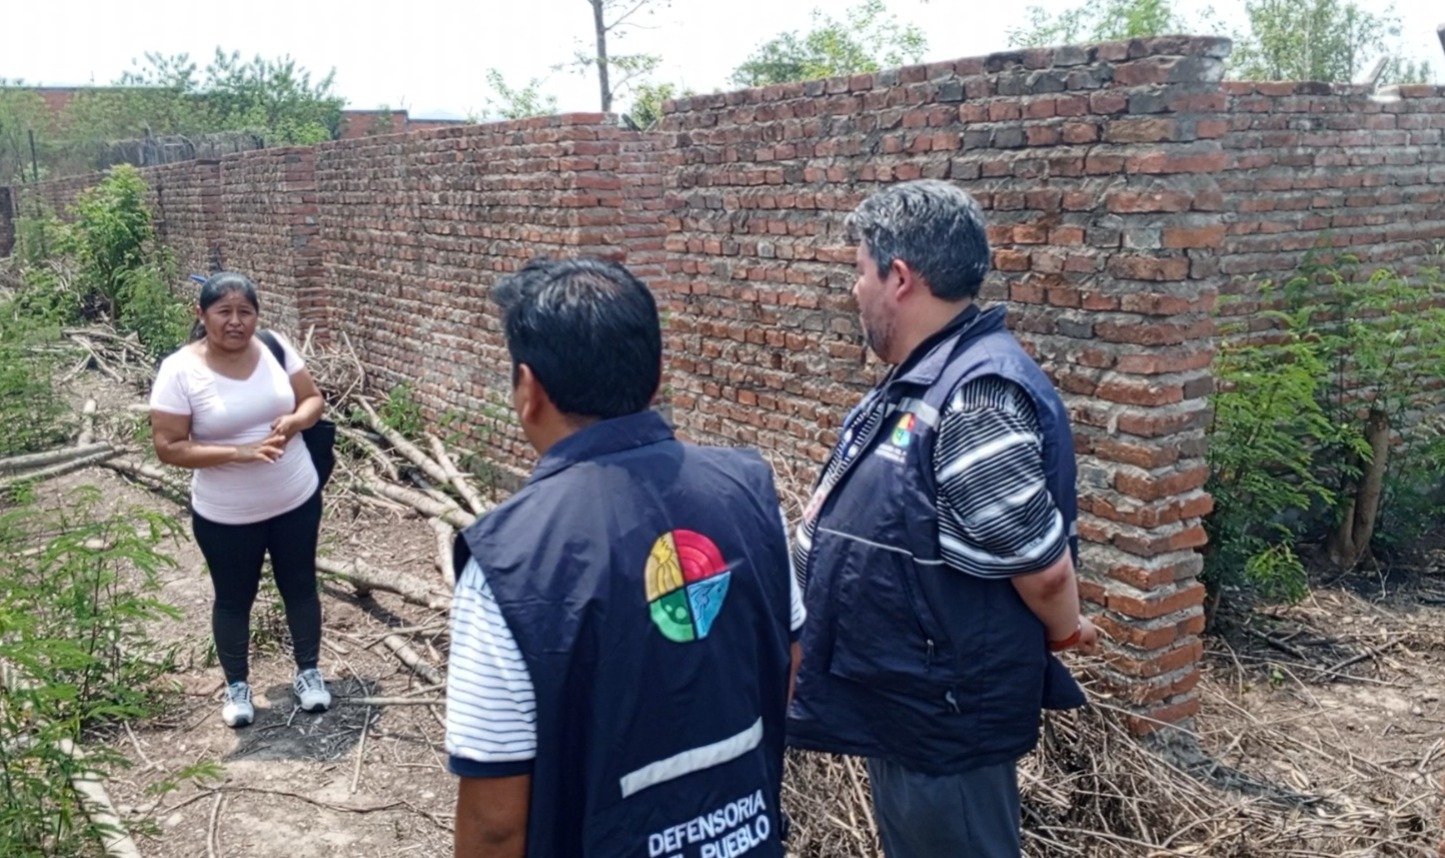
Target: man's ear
529,397
908,280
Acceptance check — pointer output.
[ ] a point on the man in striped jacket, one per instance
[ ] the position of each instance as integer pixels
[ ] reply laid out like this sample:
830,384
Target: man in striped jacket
938,547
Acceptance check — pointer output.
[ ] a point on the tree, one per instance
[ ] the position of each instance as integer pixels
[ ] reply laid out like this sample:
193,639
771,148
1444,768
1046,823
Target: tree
1113,20
611,19
22,111
517,103
647,105
167,95
869,39
1324,40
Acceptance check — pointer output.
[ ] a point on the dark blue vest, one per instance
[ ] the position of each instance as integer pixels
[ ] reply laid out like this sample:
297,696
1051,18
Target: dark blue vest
905,658
646,583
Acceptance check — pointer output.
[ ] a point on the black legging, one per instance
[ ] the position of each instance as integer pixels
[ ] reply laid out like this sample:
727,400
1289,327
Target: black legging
234,553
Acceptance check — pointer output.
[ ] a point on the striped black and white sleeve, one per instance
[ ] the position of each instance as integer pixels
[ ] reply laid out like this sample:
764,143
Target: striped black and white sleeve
996,516
491,703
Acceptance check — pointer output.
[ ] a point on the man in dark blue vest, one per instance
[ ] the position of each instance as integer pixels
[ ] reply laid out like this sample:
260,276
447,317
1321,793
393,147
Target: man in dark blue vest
938,547
621,628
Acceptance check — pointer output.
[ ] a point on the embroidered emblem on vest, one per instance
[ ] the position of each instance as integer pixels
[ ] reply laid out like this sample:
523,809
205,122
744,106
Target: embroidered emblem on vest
896,448
903,432
687,581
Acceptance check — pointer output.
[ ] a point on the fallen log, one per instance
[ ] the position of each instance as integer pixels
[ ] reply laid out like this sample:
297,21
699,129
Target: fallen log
87,424
408,450
51,457
366,578
61,468
114,838
152,478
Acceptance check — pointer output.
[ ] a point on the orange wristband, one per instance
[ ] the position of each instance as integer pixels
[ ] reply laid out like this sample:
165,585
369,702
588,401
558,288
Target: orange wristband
1068,642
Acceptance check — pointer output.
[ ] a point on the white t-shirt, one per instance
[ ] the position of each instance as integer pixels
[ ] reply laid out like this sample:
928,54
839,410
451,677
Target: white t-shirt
238,411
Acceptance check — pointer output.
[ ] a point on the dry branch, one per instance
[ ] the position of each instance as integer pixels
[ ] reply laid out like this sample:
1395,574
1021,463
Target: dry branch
365,578
407,449
152,478
390,701
458,479
446,537
453,515
372,451
409,657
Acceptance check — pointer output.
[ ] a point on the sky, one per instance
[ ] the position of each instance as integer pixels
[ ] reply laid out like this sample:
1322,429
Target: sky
431,56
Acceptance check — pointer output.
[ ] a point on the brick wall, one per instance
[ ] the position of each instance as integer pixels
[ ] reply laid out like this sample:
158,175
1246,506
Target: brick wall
417,227
1317,166
53,197
185,203
1095,166
269,232
1125,186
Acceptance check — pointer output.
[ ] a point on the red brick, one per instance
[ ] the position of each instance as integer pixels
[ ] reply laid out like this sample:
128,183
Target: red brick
1206,236
1158,603
1138,635
1157,717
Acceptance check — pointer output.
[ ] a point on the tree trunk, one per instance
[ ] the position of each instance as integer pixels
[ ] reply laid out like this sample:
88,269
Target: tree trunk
1350,543
600,26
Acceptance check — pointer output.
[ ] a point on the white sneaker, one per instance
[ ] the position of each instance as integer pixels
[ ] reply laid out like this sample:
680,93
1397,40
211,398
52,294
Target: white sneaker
238,711
311,691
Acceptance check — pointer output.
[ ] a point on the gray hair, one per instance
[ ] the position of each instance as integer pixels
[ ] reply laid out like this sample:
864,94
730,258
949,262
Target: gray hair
934,226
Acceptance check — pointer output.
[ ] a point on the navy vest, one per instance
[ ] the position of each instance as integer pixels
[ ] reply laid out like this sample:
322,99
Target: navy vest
646,583
905,658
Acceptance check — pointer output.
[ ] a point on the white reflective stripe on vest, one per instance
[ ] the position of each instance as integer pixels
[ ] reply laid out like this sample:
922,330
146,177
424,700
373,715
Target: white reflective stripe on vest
694,760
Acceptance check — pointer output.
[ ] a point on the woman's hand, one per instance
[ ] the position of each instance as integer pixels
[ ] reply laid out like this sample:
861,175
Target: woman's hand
268,450
287,425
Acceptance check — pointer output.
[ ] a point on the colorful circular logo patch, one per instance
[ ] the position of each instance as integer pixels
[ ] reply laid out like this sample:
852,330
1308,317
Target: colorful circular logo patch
687,582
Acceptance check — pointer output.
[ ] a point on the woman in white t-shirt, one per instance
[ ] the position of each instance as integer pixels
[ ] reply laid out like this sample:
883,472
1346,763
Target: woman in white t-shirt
223,406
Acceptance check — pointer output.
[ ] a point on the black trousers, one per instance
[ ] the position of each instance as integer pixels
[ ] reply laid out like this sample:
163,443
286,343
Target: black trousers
234,553
974,814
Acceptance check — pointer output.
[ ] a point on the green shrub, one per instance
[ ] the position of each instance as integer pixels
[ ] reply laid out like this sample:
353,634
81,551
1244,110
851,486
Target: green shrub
1333,415
149,308
74,602
1267,422
31,410
111,233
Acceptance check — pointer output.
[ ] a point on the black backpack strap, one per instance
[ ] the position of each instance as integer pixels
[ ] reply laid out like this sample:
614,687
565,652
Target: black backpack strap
274,345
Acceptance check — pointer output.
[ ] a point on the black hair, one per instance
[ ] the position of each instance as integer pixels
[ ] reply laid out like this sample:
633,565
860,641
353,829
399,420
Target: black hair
589,330
218,286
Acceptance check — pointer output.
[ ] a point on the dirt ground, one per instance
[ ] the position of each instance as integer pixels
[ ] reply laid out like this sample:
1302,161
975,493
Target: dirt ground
1352,679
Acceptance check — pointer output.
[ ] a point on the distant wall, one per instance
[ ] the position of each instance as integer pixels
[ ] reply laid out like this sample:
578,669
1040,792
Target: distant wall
1329,167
